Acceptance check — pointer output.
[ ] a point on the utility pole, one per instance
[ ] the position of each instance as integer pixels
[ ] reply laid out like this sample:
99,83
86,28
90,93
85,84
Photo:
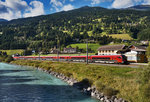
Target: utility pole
57,48
87,52
39,55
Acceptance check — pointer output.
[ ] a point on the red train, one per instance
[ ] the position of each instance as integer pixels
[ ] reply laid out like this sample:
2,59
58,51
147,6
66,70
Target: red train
120,59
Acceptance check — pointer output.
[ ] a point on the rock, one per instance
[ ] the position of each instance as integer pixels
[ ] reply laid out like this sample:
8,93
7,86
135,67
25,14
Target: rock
89,89
113,98
93,94
102,99
120,100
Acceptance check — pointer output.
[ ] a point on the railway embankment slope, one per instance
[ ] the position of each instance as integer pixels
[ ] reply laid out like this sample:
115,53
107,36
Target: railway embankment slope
110,81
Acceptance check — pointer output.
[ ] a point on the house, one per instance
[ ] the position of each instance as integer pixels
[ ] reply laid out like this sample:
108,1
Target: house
70,50
54,51
144,42
133,53
111,49
136,54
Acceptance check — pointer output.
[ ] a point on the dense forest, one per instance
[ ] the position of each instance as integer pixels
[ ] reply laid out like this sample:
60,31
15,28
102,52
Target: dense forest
61,29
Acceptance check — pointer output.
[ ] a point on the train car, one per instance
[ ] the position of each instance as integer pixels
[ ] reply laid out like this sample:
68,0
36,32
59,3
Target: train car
109,59
78,58
118,59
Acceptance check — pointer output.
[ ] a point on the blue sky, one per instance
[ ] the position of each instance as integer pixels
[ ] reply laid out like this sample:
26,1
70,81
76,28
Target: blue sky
13,9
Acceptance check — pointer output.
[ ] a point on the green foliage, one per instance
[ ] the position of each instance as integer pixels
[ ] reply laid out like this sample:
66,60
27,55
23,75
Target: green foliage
12,52
9,59
38,33
121,36
91,46
110,91
100,87
5,58
144,34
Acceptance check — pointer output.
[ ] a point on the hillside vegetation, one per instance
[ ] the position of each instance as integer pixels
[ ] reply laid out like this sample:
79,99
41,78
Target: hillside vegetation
12,52
107,79
91,46
121,36
64,28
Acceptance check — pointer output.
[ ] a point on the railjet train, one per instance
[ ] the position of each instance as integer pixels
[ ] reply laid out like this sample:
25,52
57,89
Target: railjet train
118,59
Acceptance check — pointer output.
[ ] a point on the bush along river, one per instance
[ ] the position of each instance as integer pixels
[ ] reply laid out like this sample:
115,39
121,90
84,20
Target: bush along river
25,84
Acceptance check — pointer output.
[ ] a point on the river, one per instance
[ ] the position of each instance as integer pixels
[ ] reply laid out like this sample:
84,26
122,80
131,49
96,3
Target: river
25,84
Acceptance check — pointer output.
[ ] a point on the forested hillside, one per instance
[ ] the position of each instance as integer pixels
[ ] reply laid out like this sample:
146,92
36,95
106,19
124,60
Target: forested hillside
75,26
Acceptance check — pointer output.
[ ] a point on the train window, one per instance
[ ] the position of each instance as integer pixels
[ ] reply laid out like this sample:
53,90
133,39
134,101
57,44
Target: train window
119,57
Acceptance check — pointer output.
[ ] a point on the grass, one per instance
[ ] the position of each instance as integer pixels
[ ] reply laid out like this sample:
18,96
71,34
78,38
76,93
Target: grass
93,46
11,52
122,79
121,36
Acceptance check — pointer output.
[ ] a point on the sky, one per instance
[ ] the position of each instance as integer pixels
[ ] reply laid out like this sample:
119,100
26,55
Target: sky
14,9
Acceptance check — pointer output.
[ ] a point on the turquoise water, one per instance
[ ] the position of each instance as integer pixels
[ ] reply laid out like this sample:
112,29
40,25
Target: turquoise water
25,84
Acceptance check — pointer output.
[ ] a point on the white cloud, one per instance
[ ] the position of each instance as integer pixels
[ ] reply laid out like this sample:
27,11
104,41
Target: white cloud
15,4
56,4
36,9
67,7
13,9
128,3
59,6
95,2
10,15
146,2
122,3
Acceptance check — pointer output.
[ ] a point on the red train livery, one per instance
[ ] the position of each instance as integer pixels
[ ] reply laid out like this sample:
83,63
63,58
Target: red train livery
120,59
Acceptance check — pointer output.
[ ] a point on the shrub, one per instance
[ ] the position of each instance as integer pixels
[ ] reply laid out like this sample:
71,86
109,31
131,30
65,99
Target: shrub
9,59
110,91
68,74
99,86
86,81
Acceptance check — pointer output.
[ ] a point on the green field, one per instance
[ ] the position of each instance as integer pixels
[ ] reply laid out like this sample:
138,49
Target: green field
121,36
93,46
11,52
105,78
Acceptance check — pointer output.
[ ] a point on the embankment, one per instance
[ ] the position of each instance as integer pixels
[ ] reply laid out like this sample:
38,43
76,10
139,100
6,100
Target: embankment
103,82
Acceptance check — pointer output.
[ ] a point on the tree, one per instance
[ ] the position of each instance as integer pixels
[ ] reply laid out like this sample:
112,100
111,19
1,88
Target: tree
144,34
85,35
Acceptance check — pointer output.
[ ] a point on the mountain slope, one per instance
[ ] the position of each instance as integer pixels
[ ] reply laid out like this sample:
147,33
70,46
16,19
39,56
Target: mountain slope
140,7
3,20
67,27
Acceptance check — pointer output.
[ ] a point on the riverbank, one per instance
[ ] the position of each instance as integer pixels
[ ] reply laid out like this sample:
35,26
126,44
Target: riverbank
111,81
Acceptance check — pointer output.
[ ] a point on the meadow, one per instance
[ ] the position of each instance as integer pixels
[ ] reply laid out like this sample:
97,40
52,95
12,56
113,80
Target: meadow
11,52
92,46
121,36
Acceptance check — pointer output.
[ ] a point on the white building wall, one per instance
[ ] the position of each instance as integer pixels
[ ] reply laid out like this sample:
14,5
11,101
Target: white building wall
131,56
108,52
